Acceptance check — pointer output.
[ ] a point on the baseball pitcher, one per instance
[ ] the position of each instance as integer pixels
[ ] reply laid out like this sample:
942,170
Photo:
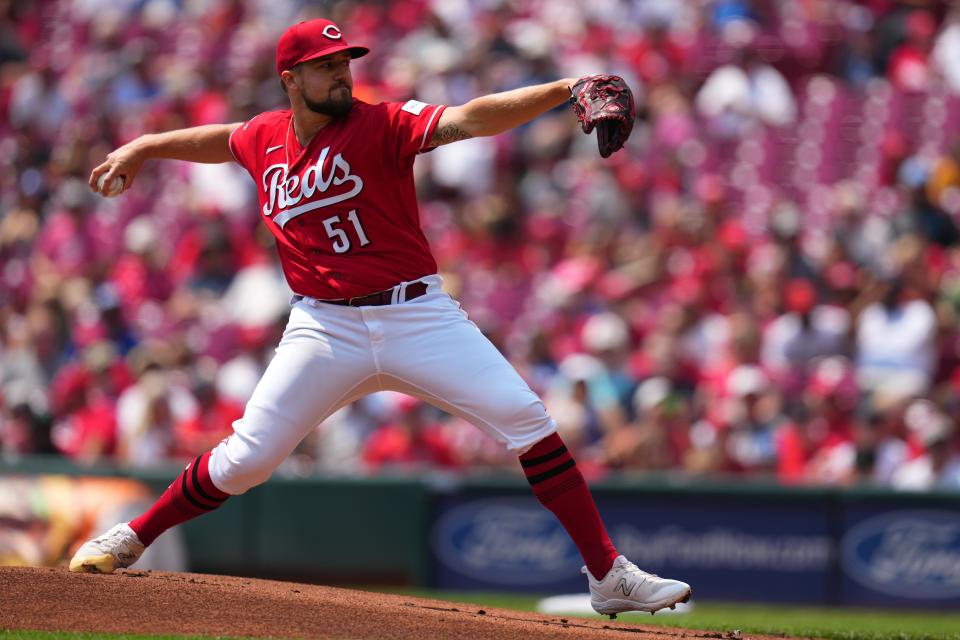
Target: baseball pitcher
335,181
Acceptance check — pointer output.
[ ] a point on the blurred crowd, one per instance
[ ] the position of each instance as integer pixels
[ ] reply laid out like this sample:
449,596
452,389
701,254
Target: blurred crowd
765,282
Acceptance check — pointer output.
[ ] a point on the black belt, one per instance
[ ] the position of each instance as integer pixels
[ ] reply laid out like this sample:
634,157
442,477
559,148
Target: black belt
378,298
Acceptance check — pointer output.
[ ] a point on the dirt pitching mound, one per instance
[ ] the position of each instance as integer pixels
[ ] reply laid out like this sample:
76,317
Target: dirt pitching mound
149,602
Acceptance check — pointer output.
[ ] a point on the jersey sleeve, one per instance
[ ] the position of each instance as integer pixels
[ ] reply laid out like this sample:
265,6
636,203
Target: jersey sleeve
243,144
411,125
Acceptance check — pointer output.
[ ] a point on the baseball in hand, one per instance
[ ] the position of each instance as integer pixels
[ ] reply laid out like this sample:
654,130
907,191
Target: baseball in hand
110,190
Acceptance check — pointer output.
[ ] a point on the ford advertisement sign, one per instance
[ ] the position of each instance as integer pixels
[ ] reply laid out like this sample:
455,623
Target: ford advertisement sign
506,542
912,554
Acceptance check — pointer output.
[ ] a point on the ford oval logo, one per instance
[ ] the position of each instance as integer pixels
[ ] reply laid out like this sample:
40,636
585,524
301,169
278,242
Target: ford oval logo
506,540
909,554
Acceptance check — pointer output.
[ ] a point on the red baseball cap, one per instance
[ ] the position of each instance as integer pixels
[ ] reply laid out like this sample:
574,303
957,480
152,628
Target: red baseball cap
800,296
312,39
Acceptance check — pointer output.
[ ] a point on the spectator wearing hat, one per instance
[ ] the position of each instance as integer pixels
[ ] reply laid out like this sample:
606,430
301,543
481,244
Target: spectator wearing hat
752,421
211,422
909,64
148,410
410,441
818,447
141,273
804,332
824,422
658,437
938,467
606,337
83,397
741,352
863,456
571,404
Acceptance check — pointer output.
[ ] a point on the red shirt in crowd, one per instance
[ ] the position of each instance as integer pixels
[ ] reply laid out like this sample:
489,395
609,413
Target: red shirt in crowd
395,444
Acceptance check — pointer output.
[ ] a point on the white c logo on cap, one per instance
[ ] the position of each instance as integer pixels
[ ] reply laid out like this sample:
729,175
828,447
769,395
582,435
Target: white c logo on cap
332,32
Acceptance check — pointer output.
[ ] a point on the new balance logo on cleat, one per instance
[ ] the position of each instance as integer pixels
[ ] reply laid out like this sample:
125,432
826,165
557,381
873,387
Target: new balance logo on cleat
624,587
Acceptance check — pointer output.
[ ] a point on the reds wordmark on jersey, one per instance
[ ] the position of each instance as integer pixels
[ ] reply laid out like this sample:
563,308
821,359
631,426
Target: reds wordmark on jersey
343,209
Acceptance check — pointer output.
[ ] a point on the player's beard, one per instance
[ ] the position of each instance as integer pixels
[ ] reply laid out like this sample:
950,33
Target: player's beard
333,107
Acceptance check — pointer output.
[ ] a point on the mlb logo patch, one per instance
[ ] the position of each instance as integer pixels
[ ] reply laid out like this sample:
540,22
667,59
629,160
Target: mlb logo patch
414,106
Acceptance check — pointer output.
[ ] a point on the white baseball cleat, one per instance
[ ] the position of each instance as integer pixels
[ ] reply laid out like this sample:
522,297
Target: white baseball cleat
119,547
627,588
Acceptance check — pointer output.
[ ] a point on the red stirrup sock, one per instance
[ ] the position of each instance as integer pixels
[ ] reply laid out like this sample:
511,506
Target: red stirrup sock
192,494
559,486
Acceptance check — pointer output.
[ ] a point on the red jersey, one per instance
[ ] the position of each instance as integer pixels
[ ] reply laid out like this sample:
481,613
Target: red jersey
343,209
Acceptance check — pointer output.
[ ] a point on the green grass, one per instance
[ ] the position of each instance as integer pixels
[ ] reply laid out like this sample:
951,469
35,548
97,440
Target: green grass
828,623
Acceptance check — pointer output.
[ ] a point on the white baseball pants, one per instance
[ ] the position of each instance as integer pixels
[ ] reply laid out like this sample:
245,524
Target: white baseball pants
331,355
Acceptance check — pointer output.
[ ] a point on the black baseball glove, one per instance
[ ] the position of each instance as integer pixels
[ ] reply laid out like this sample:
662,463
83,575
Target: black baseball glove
604,102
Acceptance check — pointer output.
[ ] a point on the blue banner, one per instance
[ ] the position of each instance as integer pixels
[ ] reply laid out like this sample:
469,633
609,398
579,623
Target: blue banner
767,548
725,549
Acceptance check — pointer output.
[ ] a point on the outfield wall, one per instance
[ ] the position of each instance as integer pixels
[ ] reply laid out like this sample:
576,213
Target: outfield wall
730,541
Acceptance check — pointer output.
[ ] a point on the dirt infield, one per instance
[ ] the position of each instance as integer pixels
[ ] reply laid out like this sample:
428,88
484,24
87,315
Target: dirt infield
133,601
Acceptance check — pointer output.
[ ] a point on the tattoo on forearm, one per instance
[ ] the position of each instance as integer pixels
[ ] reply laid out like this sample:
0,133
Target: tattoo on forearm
447,134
